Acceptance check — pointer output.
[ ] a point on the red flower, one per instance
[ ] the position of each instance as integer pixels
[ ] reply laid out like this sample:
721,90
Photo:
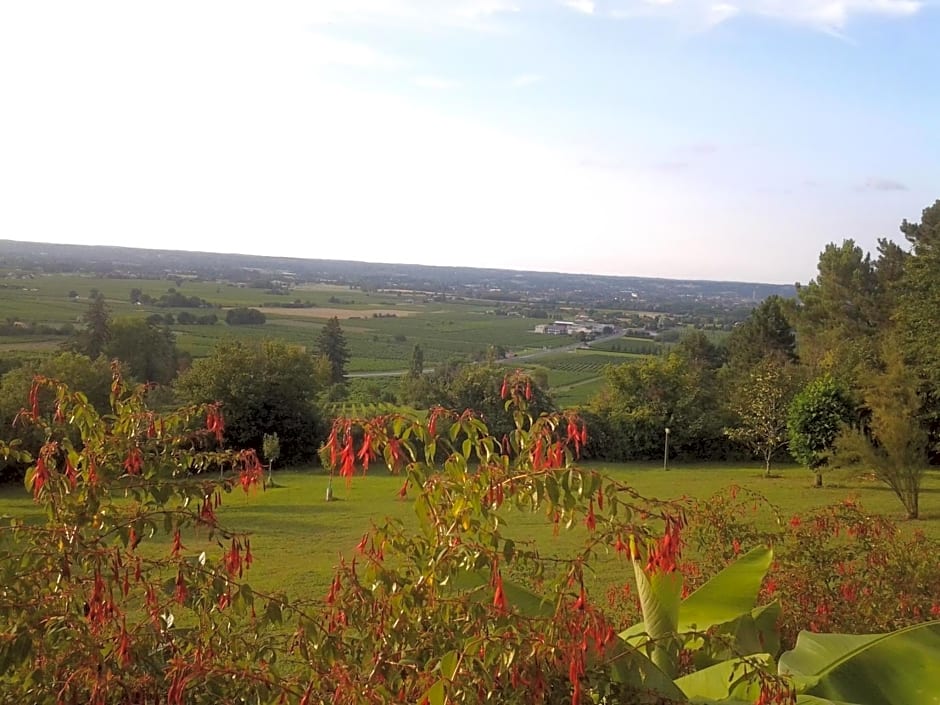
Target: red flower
42,475
663,556
214,421
180,593
590,521
134,461
233,560
348,458
499,596
333,444
574,435
177,544
34,398
393,453
366,453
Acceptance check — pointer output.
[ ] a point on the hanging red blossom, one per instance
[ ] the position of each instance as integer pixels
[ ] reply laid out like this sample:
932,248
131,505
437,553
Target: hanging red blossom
134,461
366,453
214,421
590,521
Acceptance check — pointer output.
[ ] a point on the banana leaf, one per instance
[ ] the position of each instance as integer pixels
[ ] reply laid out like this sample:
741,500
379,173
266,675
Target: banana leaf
900,668
725,682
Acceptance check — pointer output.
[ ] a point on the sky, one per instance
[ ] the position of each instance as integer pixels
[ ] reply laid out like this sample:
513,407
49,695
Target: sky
703,139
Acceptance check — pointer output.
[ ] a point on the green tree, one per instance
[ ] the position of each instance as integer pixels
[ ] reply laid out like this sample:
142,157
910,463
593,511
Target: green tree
698,349
149,353
640,400
918,312
74,369
761,402
766,331
94,336
417,362
267,387
892,443
815,419
271,448
479,387
244,317
331,344
844,310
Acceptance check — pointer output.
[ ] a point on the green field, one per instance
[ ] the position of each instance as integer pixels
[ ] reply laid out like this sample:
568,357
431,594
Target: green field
297,537
381,328
576,376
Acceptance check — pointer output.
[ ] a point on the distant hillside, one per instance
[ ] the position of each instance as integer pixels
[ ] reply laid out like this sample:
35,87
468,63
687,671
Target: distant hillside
497,284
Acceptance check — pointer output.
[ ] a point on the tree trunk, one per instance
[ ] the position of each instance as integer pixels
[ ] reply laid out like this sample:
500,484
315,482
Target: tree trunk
912,506
767,458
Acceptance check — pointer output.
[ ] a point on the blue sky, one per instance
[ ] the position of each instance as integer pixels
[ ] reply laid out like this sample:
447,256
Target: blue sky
710,139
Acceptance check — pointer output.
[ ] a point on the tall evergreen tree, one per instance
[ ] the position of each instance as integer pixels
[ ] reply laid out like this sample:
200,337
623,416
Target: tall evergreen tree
93,338
767,331
417,362
918,313
331,344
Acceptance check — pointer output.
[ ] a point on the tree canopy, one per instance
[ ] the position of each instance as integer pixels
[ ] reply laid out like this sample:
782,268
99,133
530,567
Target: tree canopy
268,387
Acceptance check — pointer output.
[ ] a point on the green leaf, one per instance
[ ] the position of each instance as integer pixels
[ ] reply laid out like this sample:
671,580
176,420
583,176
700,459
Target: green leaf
728,595
519,598
633,668
659,599
899,668
449,665
722,681
435,695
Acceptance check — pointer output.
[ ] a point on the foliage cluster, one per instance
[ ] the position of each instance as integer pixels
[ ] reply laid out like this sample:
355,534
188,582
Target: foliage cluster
460,610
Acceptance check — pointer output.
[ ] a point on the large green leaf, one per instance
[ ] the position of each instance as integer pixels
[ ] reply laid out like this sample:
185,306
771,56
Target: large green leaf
721,682
900,668
728,595
633,668
755,632
660,595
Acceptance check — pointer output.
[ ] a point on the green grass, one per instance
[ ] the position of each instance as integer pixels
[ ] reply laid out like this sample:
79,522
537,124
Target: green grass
298,538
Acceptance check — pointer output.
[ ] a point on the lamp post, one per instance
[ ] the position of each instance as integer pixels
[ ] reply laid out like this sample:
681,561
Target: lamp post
666,451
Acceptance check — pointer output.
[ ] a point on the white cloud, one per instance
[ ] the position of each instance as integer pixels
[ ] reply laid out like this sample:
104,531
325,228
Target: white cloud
882,184
332,51
829,15
585,6
469,14
526,79
434,82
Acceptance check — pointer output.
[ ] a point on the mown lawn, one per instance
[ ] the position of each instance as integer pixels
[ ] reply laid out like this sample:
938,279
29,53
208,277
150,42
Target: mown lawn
297,537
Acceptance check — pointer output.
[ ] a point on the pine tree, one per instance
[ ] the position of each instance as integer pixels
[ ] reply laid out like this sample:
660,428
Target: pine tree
94,337
331,344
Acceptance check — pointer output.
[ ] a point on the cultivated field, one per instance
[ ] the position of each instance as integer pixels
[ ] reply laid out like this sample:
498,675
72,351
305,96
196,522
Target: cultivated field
381,328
